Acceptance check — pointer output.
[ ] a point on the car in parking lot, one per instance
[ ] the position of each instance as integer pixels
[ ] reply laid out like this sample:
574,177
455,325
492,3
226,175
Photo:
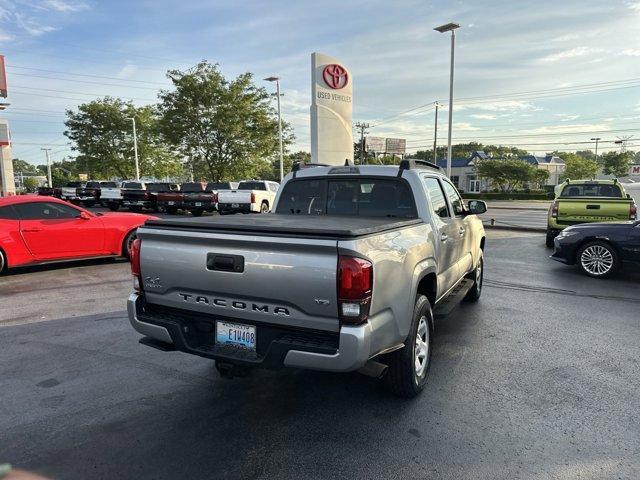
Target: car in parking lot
257,196
584,201
35,230
599,249
344,276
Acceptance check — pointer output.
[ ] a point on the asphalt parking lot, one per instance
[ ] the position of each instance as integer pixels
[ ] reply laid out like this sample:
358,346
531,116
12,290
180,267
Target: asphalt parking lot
540,379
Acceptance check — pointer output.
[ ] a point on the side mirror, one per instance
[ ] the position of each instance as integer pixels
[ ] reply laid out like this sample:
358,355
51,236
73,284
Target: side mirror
477,207
84,215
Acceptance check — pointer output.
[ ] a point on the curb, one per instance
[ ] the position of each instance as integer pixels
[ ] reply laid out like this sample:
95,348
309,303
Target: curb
515,229
494,207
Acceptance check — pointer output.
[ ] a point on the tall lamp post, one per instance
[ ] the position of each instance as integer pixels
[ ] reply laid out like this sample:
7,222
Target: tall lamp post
135,148
450,27
597,139
46,152
277,80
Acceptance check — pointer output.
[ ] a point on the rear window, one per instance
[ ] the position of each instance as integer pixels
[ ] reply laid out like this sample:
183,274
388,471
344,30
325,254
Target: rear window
191,187
108,184
162,187
75,184
93,184
373,197
592,190
211,186
252,186
132,185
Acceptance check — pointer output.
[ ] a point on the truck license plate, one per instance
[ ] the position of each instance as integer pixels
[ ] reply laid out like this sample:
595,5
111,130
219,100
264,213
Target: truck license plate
198,204
236,334
171,203
235,205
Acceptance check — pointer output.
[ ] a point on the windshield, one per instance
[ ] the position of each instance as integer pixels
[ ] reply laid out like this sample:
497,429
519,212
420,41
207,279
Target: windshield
372,197
592,190
252,186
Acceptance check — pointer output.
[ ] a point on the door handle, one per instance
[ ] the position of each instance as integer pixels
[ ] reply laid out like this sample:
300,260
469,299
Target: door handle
32,229
461,231
444,237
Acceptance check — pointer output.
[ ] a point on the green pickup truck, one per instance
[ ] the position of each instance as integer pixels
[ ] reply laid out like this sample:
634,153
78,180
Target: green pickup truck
585,201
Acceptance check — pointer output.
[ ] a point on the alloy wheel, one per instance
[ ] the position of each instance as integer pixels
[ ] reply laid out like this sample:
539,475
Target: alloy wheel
421,349
597,260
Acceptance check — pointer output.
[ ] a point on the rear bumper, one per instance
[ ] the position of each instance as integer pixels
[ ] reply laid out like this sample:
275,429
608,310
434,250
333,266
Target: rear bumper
138,203
209,206
345,351
241,207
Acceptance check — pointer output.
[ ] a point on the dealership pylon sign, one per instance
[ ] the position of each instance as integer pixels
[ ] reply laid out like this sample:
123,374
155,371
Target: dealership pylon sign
331,111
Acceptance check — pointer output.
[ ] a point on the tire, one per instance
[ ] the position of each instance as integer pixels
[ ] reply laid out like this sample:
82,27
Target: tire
3,263
196,213
264,207
477,276
172,210
135,209
126,243
597,259
550,236
406,376
114,207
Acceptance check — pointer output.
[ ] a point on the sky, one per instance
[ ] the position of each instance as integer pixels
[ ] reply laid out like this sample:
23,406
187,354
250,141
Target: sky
539,75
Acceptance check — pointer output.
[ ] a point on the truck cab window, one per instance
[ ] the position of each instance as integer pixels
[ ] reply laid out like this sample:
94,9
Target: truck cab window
454,198
438,202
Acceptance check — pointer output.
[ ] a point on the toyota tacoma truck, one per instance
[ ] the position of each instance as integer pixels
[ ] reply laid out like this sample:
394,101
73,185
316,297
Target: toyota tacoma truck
255,196
344,276
586,201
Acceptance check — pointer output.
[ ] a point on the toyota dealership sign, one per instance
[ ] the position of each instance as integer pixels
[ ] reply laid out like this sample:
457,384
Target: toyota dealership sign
331,111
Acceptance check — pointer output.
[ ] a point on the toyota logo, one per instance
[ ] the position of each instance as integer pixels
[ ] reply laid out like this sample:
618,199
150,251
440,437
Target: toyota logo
335,76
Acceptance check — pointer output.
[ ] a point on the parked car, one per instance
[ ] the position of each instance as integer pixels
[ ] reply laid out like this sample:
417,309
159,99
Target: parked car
49,192
70,191
200,197
344,275
45,229
256,196
139,195
111,195
584,201
599,249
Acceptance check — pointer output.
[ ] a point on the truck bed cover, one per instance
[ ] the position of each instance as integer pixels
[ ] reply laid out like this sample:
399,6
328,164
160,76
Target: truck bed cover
281,224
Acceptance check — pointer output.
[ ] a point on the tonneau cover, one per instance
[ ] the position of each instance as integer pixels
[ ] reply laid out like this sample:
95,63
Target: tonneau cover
272,223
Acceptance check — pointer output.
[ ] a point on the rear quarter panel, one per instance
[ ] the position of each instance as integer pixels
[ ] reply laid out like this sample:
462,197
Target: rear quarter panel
117,226
12,245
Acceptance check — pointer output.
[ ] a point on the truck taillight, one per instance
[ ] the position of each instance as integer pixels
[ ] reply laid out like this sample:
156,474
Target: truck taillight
633,212
554,210
355,286
134,259
146,194
215,198
253,197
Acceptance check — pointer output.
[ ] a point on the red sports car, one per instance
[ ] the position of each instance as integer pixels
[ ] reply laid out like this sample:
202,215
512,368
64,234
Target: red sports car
35,229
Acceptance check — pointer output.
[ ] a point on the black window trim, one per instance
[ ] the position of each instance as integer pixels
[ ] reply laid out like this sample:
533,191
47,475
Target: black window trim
451,209
328,178
444,194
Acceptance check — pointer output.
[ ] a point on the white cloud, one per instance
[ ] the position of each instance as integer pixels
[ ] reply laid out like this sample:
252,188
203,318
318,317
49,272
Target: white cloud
127,71
566,117
571,53
635,6
483,116
631,52
569,129
62,6
30,26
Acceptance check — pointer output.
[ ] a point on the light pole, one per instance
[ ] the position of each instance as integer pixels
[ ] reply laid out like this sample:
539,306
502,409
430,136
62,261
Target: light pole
435,138
135,148
450,27
277,80
46,151
597,139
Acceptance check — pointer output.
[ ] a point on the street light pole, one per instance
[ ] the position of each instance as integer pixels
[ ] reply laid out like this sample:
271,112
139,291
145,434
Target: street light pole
46,151
435,138
596,140
277,80
135,148
450,27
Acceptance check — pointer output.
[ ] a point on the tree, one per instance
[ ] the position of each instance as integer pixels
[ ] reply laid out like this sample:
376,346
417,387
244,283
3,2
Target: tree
102,133
586,154
21,166
616,164
227,128
30,184
578,167
465,150
507,174
540,177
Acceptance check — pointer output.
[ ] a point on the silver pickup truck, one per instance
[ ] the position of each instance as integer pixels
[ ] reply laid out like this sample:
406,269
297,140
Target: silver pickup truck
344,275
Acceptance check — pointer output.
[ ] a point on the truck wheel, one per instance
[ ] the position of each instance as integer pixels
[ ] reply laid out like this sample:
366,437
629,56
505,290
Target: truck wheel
477,276
264,208
113,207
172,210
597,259
409,366
135,209
550,236
126,243
196,213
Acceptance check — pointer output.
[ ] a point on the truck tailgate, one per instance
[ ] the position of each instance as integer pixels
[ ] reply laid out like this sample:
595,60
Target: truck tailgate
234,196
583,210
259,279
